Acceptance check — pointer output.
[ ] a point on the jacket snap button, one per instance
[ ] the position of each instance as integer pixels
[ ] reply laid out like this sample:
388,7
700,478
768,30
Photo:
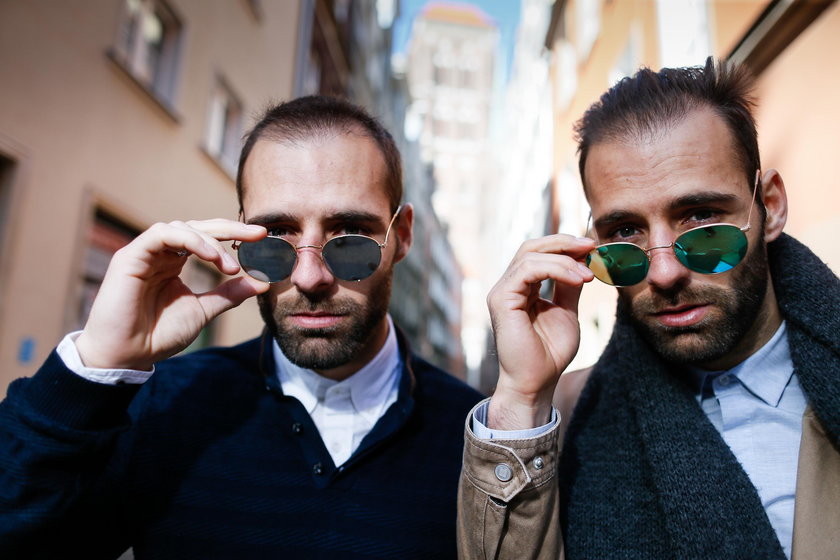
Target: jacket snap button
503,472
297,428
317,468
538,463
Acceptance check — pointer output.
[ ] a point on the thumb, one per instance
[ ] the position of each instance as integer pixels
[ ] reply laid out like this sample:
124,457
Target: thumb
230,294
567,297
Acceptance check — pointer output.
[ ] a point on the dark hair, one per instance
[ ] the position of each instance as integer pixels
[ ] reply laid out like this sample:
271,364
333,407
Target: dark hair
641,105
315,116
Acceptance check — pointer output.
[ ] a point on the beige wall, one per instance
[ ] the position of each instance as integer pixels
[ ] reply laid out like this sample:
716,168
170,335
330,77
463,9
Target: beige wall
84,134
799,132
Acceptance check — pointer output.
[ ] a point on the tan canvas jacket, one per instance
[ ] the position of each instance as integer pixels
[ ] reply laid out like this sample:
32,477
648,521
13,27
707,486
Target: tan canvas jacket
494,525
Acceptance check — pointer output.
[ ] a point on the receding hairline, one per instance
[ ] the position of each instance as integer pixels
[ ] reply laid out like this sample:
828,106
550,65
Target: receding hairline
314,136
639,132
301,135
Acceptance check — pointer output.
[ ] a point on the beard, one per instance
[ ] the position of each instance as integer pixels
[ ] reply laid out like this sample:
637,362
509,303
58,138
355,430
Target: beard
717,334
329,347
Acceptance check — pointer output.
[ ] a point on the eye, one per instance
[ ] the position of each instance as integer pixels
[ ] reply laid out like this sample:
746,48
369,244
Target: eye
352,229
278,231
702,215
623,233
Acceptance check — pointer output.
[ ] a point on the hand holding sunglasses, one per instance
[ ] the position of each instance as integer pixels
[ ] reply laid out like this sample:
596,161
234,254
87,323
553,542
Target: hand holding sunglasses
710,249
144,311
350,257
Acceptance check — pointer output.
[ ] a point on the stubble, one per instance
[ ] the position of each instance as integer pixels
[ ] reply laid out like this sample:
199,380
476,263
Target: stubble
736,308
331,347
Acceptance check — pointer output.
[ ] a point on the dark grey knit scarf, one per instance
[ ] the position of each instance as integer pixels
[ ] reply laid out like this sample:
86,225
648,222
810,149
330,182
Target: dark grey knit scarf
644,474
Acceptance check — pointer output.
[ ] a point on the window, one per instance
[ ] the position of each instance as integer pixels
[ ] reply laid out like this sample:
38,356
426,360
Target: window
148,45
7,171
224,128
684,33
8,168
106,236
588,26
255,7
201,278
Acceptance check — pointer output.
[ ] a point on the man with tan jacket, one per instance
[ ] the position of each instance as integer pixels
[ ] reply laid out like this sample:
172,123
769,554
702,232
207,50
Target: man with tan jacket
710,426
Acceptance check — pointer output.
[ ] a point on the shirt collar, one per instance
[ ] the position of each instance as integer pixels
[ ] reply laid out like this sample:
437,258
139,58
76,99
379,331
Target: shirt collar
371,386
766,373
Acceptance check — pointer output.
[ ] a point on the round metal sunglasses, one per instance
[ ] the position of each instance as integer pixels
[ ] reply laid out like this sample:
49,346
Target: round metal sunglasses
351,257
710,249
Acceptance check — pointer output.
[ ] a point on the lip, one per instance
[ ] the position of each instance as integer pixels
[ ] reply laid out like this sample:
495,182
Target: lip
315,320
682,316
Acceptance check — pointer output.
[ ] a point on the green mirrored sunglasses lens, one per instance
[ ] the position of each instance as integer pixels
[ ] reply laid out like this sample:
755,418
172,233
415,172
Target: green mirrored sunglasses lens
618,264
352,257
711,249
270,259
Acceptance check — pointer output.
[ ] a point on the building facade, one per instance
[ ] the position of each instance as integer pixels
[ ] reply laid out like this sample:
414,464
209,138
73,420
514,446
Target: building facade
116,114
521,201
450,71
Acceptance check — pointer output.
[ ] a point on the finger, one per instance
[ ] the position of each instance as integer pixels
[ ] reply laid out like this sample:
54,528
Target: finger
230,294
220,257
559,243
534,268
567,297
519,291
228,230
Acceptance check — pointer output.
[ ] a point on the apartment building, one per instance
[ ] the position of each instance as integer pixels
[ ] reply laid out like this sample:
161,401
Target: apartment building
115,114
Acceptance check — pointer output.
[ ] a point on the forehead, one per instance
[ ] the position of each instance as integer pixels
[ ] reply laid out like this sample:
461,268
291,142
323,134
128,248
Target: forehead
320,175
695,154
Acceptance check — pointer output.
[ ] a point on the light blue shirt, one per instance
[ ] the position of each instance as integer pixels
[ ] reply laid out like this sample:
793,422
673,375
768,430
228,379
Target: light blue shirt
757,407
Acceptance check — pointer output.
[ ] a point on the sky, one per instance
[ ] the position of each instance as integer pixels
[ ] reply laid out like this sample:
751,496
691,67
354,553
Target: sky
504,12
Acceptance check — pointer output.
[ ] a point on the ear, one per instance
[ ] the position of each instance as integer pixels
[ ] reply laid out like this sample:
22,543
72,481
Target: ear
774,196
404,228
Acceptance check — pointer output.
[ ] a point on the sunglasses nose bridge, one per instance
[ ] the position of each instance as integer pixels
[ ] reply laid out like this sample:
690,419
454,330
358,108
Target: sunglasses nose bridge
314,250
310,272
649,249
299,247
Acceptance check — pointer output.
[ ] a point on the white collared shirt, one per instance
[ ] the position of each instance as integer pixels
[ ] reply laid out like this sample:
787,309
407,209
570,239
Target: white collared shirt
345,411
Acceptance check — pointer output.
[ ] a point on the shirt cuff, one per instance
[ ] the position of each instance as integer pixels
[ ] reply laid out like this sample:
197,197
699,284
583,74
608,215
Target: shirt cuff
69,354
480,429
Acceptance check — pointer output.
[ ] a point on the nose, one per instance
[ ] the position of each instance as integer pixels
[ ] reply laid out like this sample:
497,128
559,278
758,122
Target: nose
665,270
311,274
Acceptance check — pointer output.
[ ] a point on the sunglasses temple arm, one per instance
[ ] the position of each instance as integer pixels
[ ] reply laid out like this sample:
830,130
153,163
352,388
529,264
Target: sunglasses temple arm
391,223
752,204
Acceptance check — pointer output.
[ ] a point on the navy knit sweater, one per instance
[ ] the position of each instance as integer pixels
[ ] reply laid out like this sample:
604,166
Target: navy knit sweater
210,460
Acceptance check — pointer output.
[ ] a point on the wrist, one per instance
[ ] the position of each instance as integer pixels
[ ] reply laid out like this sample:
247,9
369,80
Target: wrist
92,358
511,410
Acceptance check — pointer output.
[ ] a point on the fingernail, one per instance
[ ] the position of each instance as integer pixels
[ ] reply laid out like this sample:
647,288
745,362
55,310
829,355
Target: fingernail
583,269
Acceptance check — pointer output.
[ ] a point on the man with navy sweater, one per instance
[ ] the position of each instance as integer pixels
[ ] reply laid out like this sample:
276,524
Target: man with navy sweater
324,438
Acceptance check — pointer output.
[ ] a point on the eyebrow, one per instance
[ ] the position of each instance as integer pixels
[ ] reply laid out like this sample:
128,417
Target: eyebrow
686,201
351,216
615,217
702,198
272,218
